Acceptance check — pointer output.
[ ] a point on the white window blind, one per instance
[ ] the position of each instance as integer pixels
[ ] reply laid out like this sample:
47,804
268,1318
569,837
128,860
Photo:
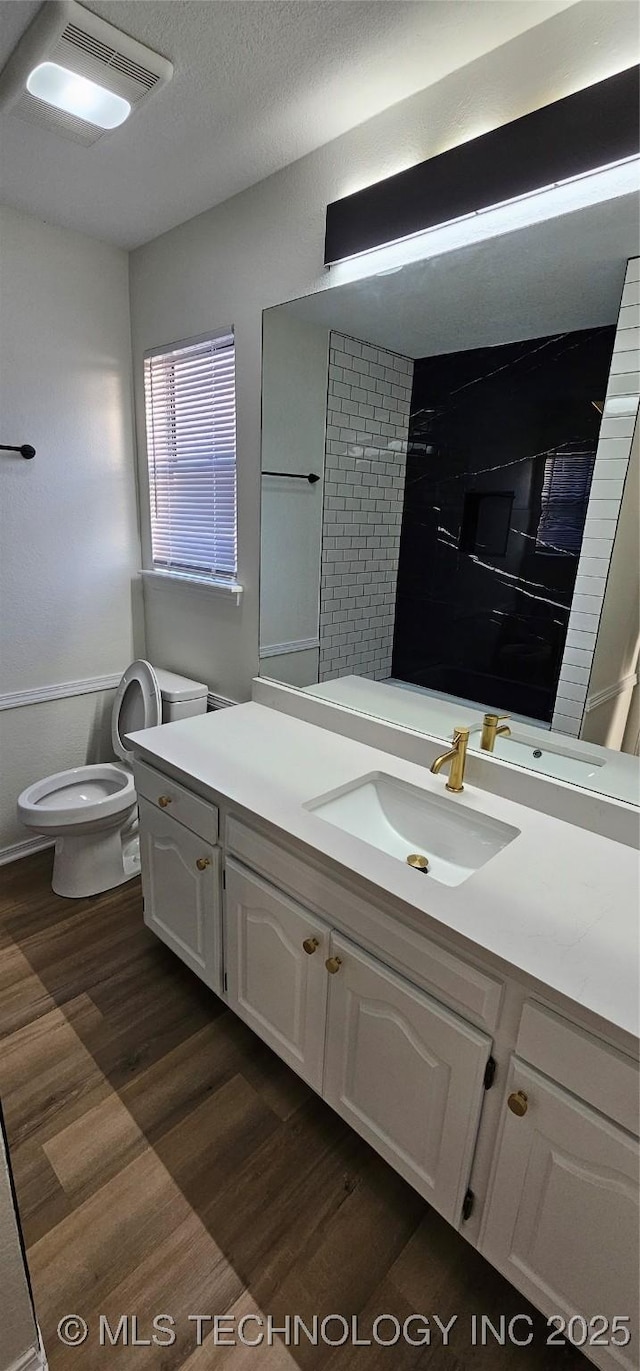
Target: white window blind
191,444
564,500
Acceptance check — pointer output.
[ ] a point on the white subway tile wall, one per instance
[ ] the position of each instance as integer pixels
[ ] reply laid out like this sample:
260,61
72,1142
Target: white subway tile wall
605,497
368,404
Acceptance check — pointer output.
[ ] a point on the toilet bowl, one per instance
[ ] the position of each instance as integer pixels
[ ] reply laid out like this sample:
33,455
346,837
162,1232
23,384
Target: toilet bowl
91,811
86,810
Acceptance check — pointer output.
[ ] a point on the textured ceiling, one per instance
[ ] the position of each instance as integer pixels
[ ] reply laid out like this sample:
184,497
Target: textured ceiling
257,84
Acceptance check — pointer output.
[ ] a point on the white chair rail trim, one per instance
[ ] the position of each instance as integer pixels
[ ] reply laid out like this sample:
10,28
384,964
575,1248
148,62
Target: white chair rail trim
281,649
17,699
600,697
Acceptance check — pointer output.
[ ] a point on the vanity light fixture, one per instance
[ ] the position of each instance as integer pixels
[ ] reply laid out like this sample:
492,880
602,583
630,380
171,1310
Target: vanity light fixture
78,76
593,129
538,207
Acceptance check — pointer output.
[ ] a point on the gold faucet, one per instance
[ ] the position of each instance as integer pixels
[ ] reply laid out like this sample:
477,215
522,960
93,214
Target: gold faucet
492,728
457,757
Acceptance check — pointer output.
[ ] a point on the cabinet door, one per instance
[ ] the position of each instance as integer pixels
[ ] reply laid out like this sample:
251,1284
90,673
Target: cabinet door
181,889
406,1073
273,983
562,1218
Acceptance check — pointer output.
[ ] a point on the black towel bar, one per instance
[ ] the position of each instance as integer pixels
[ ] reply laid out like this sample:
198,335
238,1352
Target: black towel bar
25,450
295,476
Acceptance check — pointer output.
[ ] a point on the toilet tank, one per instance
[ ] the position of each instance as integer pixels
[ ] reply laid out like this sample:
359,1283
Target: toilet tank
181,697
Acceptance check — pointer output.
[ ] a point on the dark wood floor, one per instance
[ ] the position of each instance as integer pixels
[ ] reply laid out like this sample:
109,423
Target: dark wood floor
166,1162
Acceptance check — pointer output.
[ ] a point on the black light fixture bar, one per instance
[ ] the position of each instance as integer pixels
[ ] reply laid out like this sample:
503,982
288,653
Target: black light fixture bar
580,133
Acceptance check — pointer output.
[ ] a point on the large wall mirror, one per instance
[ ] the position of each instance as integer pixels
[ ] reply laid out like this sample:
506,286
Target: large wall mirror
468,542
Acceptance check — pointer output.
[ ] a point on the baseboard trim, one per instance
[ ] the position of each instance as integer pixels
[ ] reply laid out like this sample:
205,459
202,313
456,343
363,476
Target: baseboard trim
64,690
16,851
33,1360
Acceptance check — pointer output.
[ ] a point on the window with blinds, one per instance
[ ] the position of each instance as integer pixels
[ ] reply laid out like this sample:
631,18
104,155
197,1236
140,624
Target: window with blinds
564,500
191,446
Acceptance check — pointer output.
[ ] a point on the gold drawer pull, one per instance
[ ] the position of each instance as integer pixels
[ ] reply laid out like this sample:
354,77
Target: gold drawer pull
164,800
202,863
310,945
333,964
518,1103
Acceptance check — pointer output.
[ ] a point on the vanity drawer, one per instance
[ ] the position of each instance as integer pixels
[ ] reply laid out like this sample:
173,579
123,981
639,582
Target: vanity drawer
175,800
462,986
588,1067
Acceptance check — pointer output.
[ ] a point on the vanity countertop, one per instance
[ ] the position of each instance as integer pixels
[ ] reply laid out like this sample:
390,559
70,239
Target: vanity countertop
558,904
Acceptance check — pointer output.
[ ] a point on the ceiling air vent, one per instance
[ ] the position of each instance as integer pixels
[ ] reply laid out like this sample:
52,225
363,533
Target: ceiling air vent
71,37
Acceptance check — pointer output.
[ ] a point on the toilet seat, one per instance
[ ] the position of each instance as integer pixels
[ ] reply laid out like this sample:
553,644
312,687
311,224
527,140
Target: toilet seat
80,795
137,704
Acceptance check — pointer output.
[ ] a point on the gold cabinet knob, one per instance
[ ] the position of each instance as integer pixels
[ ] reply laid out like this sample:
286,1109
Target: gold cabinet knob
333,964
164,800
310,945
202,863
518,1103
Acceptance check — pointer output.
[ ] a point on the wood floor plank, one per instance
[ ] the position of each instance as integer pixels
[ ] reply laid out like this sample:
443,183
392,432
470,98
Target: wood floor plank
160,1095
47,1077
437,1261
266,1215
237,1356
177,1082
183,1273
23,997
95,1147
43,1203
400,1355
167,1161
25,884
217,1140
376,1218
283,1089
104,1240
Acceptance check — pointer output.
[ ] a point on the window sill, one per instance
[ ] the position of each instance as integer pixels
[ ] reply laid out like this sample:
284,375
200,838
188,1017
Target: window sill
198,584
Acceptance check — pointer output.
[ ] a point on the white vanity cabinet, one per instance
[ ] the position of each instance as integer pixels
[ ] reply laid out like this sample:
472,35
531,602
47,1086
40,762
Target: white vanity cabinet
405,1073
398,1031
181,872
562,1221
275,967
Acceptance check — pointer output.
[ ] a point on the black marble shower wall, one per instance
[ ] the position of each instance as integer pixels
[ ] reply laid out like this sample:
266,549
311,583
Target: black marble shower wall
501,448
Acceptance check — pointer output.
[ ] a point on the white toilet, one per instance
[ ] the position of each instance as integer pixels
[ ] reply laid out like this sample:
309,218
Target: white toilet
91,810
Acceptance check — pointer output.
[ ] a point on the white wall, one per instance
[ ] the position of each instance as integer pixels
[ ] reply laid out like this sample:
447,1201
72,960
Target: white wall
18,1332
294,404
266,245
69,540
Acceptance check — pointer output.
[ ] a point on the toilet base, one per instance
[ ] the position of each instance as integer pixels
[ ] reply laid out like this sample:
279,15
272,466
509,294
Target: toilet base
92,863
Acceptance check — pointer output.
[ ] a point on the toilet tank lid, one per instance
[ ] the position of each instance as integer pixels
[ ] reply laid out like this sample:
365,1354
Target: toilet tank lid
174,687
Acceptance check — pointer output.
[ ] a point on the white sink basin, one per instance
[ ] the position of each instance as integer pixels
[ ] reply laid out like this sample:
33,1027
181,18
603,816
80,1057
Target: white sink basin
561,764
402,820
